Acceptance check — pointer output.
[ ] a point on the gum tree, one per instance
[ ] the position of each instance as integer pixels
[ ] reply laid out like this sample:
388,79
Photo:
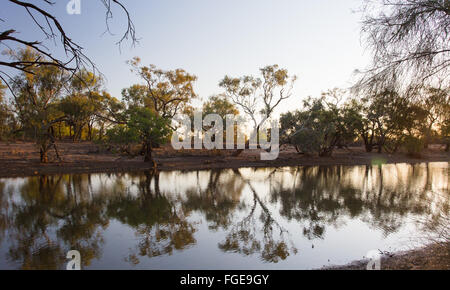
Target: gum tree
258,97
435,102
35,97
6,116
164,92
321,125
82,103
142,126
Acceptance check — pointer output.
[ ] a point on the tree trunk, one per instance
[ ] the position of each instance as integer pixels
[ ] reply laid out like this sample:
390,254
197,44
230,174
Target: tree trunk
368,143
247,144
381,143
326,152
56,150
157,190
89,132
76,133
100,132
428,136
43,154
239,151
148,150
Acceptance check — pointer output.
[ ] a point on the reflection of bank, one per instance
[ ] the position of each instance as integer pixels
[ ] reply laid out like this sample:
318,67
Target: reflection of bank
380,196
160,220
273,245
54,215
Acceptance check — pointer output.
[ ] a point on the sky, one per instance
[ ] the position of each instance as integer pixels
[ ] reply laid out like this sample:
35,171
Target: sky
319,41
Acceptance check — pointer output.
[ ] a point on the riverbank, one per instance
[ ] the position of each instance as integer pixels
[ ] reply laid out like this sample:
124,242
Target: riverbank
20,159
432,257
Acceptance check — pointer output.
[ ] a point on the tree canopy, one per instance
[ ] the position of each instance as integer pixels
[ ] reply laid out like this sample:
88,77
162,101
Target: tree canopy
410,44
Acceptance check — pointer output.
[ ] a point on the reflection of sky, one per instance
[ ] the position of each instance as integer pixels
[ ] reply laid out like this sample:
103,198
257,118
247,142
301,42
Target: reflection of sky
345,238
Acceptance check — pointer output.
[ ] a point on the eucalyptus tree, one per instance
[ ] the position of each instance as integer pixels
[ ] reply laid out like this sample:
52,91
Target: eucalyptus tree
321,125
397,118
165,92
82,103
258,97
36,94
435,102
141,125
6,117
219,105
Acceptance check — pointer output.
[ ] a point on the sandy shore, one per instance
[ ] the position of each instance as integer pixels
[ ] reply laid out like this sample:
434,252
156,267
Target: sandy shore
432,257
22,159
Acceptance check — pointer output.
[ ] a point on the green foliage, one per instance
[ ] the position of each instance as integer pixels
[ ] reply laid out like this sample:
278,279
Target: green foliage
396,117
166,92
6,117
436,105
386,120
414,146
142,126
121,134
83,103
259,95
81,110
47,103
148,127
36,93
219,105
321,125
136,95
85,81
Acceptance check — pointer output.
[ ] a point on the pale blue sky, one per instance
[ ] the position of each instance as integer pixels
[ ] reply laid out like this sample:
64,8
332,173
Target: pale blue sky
318,40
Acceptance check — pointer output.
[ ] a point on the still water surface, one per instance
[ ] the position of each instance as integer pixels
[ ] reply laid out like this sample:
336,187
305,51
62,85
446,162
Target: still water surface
285,218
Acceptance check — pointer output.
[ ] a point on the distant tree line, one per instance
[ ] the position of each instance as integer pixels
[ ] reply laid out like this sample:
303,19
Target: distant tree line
48,104
385,121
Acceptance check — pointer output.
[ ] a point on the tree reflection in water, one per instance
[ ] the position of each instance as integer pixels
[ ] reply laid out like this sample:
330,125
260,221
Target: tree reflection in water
41,218
324,196
160,221
245,235
56,214
218,200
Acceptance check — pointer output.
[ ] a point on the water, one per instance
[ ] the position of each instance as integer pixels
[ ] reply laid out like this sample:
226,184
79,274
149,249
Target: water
285,218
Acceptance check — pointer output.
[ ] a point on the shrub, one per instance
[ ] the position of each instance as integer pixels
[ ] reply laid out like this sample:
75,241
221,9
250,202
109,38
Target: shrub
414,146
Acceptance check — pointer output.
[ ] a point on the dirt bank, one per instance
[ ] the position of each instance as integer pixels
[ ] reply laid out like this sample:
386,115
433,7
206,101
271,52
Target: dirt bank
432,257
22,159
